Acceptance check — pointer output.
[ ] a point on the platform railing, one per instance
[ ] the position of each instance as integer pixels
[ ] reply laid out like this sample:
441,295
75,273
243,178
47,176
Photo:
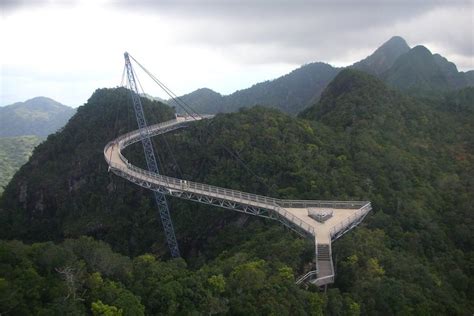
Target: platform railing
351,219
321,204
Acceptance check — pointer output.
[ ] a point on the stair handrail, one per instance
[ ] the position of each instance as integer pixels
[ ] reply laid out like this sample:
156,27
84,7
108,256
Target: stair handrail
306,276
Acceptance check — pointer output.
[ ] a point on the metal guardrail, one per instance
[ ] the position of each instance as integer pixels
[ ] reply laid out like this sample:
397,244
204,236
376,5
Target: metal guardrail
332,265
216,192
318,281
329,277
306,276
350,220
321,204
195,187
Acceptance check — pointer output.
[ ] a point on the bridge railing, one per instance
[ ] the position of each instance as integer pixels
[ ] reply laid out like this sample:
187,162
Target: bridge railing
295,220
321,204
152,130
261,201
350,220
264,202
255,200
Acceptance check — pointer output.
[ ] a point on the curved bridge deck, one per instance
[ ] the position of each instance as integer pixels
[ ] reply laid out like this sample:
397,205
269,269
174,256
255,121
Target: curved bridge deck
292,213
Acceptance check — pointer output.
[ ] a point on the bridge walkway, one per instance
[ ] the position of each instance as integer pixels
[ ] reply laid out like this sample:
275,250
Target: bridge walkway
292,213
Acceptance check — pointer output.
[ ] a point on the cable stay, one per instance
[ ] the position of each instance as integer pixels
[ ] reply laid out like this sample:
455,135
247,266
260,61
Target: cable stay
176,99
191,112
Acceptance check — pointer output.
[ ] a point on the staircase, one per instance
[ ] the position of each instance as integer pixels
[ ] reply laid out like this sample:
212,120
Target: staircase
325,268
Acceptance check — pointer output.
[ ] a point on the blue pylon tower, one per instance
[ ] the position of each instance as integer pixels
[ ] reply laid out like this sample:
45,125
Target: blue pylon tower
151,159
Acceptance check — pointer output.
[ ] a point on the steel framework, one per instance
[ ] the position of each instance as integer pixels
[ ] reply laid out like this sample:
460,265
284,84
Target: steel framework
269,211
151,159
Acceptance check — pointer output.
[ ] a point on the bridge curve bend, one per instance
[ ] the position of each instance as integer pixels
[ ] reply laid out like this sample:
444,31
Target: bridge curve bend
294,214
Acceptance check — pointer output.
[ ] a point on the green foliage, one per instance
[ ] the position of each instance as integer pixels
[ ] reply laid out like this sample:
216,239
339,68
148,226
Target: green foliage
66,189
419,72
14,152
217,282
67,284
411,157
100,309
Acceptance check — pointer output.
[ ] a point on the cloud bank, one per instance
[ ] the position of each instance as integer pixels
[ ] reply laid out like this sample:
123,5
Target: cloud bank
66,49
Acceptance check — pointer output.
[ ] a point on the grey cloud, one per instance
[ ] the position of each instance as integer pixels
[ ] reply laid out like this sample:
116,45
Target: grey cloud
299,31
10,6
296,32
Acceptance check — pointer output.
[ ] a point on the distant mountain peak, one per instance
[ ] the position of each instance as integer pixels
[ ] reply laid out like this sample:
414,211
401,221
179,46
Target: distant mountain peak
203,100
383,57
350,80
353,95
396,41
41,98
39,116
448,67
421,50
206,90
418,71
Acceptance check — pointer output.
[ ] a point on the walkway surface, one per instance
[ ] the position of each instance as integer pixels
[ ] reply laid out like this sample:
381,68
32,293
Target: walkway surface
293,213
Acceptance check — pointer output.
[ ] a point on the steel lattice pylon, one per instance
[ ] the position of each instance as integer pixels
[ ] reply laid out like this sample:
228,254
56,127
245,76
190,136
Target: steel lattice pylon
151,159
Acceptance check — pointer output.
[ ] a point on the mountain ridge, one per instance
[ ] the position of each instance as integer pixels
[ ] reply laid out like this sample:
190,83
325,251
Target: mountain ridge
402,67
291,92
383,57
38,116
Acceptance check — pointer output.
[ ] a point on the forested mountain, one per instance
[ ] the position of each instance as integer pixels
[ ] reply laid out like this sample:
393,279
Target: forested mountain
290,93
146,95
24,125
14,152
205,100
39,116
362,140
383,57
420,72
415,71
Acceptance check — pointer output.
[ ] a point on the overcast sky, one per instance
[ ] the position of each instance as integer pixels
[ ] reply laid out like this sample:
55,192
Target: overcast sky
67,49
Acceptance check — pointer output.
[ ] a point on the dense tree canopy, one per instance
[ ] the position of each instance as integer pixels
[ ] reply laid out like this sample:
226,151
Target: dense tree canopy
413,158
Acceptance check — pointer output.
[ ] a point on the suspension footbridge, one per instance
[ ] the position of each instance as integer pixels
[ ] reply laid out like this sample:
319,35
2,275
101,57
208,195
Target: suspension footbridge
321,221
295,214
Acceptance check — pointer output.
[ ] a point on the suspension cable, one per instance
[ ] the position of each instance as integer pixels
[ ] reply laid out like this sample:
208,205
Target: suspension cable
196,116
123,76
186,107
